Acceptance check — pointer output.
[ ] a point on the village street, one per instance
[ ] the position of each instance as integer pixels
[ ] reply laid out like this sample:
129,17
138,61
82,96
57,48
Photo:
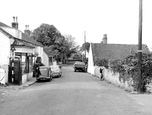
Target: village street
75,93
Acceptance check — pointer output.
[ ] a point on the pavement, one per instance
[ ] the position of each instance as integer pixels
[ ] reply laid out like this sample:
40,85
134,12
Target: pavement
10,88
144,100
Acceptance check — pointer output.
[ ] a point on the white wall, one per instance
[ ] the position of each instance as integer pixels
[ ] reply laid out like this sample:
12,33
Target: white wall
4,49
24,49
40,52
4,57
45,59
114,78
90,62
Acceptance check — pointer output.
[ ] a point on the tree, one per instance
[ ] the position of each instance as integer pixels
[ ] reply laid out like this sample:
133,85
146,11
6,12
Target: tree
71,46
46,34
65,47
86,46
50,37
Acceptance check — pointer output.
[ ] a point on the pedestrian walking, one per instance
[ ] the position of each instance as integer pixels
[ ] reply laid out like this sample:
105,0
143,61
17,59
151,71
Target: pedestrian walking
37,64
101,76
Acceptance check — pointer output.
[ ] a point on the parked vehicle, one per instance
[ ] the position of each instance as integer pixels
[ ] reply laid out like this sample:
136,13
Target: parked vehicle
80,66
44,73
36,66
55,70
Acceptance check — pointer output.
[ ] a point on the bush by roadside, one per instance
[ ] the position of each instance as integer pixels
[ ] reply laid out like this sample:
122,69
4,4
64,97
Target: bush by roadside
101,62
128,69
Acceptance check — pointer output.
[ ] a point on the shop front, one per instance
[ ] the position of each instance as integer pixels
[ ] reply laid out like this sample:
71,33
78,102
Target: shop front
21,65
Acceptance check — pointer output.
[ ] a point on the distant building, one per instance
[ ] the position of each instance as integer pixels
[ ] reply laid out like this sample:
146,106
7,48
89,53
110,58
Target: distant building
111,52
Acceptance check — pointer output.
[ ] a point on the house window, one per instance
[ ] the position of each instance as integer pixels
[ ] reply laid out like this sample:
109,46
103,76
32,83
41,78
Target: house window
24,63
30,63
50,60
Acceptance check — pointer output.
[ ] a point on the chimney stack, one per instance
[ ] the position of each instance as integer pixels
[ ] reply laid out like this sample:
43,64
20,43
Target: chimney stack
27,31
104,40
15,23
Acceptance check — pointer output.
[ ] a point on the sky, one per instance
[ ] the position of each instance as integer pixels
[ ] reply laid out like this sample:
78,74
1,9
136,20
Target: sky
119,19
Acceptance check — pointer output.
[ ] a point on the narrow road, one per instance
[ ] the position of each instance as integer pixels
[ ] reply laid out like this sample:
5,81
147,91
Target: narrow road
75,93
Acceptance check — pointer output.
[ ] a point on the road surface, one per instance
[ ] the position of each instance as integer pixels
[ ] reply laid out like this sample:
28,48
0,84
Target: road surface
75,93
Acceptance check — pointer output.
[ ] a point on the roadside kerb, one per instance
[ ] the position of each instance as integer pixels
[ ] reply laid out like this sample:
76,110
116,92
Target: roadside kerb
6,90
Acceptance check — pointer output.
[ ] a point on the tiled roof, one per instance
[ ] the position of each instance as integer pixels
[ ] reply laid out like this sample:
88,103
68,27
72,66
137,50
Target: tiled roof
21,43
30,40
24,36
115,51
4,25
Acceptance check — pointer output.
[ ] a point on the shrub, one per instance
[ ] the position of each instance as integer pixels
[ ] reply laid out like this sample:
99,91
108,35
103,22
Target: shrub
128,68
116,66
101,62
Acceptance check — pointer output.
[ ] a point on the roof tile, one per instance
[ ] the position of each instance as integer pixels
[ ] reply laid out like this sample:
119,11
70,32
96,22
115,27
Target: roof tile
30,40
115,51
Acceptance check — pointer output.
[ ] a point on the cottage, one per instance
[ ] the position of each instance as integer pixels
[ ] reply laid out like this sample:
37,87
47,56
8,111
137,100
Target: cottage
111,52
48,56
18,53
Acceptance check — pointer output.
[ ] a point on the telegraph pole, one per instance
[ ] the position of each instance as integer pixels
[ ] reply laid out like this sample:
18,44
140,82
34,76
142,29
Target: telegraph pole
85,42
139,88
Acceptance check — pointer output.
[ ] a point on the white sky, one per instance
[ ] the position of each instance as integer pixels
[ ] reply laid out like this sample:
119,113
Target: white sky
116,18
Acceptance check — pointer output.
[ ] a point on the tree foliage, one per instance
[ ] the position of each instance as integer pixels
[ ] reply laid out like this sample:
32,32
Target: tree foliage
86,46
49,36
101,62
128,68
46,34
71,46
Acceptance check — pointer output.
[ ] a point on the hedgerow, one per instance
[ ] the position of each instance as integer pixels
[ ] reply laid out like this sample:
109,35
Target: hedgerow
128,68
101,62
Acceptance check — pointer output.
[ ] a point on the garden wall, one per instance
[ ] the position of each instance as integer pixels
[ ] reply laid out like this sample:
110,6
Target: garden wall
113,78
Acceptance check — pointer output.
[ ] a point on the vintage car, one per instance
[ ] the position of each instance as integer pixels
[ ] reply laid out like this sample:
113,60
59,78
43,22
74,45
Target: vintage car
56,70
44,73
80,66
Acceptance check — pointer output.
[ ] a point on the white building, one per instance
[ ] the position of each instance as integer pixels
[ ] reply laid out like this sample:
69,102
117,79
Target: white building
18,53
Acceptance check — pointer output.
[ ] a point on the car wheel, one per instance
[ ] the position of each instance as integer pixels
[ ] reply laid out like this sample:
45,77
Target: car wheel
74,70
37,80
84,70
59,75
49,79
